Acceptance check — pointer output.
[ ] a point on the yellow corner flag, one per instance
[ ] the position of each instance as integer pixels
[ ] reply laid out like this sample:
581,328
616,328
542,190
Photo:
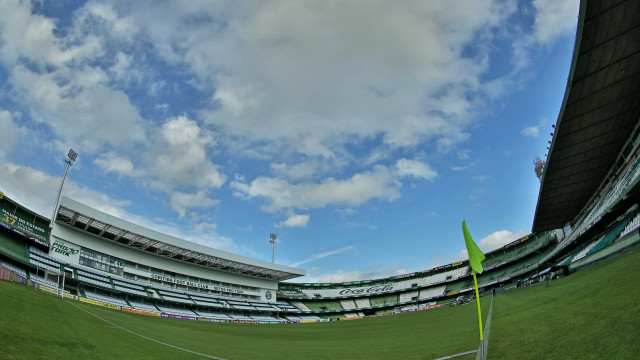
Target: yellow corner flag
475,261
475,254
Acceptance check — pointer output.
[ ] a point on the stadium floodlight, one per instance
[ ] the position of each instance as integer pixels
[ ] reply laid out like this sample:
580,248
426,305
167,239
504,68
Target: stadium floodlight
71,157
272,240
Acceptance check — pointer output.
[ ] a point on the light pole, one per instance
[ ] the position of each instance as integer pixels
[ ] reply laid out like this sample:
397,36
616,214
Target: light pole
272,240
71,157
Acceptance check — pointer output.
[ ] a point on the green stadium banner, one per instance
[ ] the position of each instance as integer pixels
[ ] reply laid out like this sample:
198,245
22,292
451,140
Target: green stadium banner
23,221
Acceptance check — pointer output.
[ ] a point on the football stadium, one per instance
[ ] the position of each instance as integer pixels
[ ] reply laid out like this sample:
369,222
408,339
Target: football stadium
86,284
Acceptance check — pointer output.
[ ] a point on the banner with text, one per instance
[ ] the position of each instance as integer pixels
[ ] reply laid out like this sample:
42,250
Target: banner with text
172,280
100,303
65,251
20,220
143,312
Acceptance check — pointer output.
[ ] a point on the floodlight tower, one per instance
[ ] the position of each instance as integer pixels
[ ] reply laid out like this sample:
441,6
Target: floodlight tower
71,157
272,240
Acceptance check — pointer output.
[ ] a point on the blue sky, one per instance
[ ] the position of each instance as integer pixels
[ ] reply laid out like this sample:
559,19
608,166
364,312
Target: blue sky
361,133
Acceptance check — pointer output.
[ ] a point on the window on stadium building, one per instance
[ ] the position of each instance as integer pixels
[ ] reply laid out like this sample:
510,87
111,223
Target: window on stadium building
99,261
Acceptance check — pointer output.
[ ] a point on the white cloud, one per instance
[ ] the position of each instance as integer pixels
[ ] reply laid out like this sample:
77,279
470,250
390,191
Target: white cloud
315,76
459,168
122,69
104,19
530,131
182,201
78,107
464,154
111,162
415,168
379,183
180,157
361,187
555,18
295,220
500,238
356,275
10,133
494,241
534,131
323,255
237,100
31,36
37,191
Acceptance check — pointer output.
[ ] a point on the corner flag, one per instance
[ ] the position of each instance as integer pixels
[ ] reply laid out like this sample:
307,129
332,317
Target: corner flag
475,261
475,254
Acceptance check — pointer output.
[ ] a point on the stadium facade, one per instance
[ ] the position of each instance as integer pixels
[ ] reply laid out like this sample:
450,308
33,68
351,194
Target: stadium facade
588,210
87,237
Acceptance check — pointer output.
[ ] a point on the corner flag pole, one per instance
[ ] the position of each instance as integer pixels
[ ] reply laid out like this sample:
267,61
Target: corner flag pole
475,282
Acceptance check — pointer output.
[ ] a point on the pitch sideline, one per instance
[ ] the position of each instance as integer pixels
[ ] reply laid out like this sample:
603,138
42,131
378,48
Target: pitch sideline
148,338
484,345
481,355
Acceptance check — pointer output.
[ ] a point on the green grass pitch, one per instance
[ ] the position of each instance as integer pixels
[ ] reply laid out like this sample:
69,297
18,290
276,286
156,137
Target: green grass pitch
592,314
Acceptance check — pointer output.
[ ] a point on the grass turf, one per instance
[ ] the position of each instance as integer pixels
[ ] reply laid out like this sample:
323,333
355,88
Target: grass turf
590,314
39,326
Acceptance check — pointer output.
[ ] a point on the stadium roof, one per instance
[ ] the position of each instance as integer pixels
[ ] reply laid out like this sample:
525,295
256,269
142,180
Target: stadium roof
109,228
599,115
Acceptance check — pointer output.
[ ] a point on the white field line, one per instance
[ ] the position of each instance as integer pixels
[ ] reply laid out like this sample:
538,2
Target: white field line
484,345
456,355
485,335
148,338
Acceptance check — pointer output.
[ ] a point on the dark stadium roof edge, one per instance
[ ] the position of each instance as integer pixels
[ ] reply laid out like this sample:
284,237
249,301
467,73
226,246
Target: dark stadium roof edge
598,124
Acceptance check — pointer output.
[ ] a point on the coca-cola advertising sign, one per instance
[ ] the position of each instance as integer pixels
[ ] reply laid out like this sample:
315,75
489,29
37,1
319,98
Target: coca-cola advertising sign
367,290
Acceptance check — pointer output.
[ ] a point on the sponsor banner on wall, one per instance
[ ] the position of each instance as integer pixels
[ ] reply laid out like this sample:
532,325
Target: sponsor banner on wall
351,318
404,276
20,220
363,290
46,289
69,296
143,312
195,284
66,251
7,275
180,317
56,292
99,303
